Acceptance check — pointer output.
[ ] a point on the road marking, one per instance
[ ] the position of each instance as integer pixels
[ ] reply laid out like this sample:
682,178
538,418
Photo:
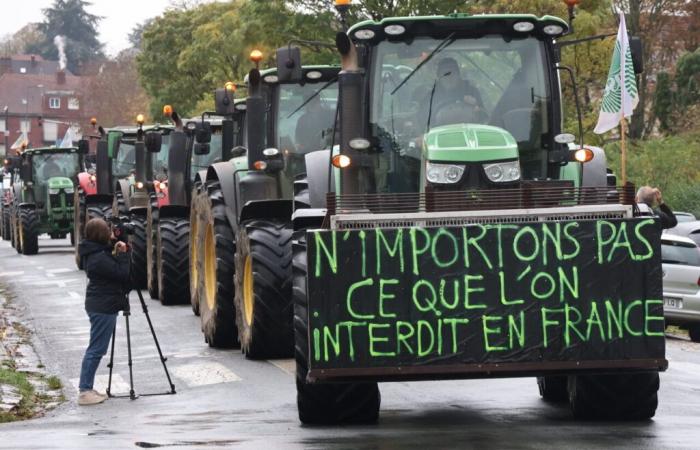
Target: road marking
63,270
288,366
204,374
12,274
119,386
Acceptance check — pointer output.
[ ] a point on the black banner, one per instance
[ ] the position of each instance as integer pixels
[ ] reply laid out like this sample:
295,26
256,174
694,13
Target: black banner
495,293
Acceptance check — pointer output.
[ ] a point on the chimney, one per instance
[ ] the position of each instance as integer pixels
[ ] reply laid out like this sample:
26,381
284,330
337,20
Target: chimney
5,64
34,60
60,77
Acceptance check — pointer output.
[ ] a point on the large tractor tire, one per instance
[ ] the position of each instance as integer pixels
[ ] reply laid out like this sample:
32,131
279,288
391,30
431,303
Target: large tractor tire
151,256
263,284
553,388
6,227
137,242
216,292
614,397
196,238
173,261
15,231
323,403
29,231
119,204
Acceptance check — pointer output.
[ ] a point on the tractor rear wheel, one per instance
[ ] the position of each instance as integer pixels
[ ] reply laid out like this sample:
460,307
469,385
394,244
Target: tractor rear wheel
173,261
195,247
15,231
6,227
29,231
152,260
323,403
216,282
263,277
137,242
614,397
553,388
119,204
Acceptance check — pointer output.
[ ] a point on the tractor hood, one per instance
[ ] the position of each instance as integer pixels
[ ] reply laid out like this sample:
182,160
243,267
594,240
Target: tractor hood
469,143
59,183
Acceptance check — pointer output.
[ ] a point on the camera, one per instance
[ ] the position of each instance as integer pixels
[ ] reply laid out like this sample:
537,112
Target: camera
121,227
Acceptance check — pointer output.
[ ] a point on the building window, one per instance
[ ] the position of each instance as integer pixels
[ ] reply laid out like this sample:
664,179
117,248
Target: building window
73,103
2,126
50,131
25,125
22,70
54,102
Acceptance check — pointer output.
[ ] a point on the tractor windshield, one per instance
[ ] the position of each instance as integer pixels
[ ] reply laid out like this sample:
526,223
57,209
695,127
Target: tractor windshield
305,121
425,82
49,165
125,162
160,159
201,162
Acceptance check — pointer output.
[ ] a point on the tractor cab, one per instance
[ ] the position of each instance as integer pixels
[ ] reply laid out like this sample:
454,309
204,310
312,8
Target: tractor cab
47,178
455,102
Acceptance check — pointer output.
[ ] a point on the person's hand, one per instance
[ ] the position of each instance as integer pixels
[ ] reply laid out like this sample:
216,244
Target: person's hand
121,247
657,196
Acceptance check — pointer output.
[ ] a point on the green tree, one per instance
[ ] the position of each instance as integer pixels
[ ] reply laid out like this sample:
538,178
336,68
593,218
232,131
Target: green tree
68,18
663,101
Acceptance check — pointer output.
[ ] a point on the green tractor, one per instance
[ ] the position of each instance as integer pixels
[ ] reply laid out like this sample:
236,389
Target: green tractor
43,195
456,232
244,223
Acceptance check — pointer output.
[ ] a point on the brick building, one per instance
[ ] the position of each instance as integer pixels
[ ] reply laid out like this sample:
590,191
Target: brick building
39,99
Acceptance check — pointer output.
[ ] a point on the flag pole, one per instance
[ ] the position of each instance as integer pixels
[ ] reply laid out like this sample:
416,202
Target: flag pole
623,149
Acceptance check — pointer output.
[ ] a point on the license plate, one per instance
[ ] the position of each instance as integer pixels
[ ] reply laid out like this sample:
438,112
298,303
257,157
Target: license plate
673,302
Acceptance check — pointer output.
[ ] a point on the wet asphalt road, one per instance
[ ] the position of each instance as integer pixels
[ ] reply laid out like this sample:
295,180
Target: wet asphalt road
226,401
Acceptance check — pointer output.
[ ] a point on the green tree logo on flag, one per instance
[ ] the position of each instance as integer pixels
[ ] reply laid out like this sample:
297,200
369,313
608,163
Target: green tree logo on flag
621,96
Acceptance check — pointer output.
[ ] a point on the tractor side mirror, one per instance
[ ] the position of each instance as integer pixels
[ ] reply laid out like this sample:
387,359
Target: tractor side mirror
289,64
238,151
83,146
202,133
223,100
201,148
637,50
153,141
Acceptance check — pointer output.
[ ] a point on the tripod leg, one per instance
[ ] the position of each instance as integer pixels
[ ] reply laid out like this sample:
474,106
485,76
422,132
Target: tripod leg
132,394
155,339
111,362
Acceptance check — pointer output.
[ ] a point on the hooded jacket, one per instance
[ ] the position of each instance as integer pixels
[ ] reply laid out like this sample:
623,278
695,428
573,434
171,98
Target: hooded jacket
108,278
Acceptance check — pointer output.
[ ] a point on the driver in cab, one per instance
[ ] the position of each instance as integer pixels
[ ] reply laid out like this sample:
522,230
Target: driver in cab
453,99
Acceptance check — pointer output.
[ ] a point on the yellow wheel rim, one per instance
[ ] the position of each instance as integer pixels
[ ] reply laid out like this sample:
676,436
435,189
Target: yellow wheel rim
248,297
193,254
210,267
21,234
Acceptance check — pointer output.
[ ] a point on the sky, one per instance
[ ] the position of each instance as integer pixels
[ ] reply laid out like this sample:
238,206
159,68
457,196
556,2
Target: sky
119,17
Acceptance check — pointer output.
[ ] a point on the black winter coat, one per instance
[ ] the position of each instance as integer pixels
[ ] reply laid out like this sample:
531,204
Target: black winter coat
108,278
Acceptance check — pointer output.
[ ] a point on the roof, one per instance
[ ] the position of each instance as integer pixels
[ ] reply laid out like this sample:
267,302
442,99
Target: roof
32,64
15,87
50,150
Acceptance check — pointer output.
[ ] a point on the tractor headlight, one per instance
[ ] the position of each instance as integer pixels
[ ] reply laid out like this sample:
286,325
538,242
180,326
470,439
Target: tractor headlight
54,191
503,172
443,173
68,190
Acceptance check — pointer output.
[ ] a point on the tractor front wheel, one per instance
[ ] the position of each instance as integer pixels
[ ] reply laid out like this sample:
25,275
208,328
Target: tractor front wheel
29,231
152,259
195,247
263,277
614,397
173,261
216,268
6,227
323,403
137,242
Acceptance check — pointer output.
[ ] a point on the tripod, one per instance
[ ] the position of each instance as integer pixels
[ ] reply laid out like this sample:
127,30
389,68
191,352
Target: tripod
132,394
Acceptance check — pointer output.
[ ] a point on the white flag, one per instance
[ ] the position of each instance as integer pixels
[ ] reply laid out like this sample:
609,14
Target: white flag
68,138
621,96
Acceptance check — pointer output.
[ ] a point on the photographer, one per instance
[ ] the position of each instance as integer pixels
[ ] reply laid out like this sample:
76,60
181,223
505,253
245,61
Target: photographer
107,269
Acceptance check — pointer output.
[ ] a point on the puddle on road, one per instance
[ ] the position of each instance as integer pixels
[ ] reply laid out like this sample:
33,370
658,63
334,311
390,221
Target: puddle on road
187,444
